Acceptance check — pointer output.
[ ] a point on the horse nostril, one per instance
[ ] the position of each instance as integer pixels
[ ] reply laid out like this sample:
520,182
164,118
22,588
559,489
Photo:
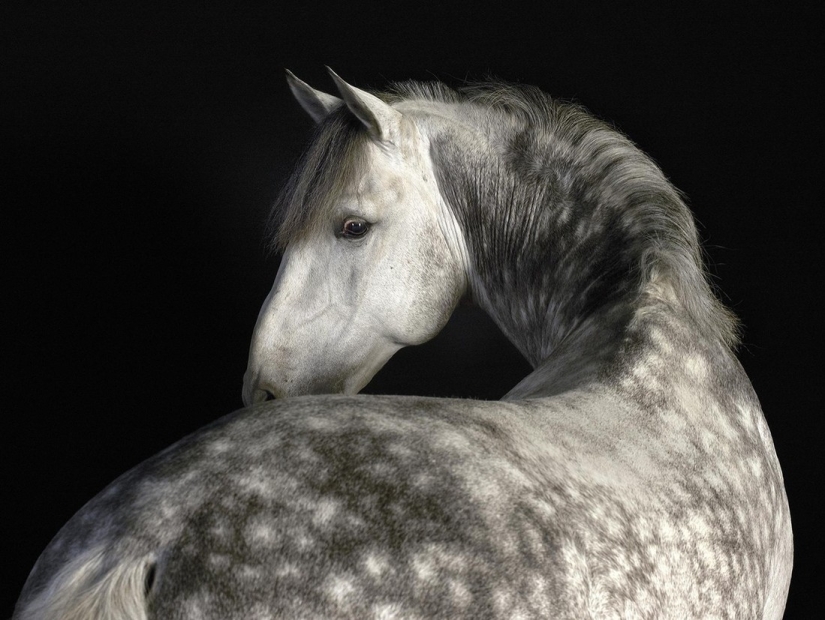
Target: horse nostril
262,395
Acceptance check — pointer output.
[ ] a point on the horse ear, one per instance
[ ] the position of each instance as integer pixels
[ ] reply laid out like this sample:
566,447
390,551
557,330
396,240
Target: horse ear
379,118
317,104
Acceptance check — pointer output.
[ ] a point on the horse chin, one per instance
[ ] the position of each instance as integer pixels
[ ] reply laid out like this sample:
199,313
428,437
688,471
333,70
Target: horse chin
353,385
350,384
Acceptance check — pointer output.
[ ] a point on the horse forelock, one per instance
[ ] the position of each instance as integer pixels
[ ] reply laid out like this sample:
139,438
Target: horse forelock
334,157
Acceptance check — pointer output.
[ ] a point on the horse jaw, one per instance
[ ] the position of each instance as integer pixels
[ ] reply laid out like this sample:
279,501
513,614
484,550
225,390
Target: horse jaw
288,358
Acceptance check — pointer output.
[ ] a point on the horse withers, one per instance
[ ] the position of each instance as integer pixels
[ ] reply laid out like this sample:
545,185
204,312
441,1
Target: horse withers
630,475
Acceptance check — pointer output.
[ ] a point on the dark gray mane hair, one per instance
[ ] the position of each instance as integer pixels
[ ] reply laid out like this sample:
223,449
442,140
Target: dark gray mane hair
555,154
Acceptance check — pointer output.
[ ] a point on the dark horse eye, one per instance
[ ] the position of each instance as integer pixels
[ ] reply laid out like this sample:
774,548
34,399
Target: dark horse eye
355,227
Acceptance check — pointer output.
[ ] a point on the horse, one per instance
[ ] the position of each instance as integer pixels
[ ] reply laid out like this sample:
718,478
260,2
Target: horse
631,474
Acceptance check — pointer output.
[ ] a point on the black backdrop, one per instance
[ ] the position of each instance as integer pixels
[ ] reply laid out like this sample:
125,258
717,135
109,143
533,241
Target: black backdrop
141,148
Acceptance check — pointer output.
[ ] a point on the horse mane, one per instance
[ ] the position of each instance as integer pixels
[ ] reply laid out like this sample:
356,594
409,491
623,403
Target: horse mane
555,152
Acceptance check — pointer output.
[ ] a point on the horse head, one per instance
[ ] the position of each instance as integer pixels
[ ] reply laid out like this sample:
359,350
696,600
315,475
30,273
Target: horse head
376,265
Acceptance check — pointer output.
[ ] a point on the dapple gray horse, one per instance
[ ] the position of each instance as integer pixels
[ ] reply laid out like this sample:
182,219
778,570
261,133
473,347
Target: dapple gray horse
630,475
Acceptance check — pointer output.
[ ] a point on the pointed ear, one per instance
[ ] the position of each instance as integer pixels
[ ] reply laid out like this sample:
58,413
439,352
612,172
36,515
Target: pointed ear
317,104
379,118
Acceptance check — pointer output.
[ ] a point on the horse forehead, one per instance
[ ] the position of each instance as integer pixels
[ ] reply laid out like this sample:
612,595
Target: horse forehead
386,179
384,182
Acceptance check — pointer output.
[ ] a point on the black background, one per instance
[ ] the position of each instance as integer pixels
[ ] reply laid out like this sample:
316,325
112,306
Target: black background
142,147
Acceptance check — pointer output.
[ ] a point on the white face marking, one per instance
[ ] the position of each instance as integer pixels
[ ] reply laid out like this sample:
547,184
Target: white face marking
341,307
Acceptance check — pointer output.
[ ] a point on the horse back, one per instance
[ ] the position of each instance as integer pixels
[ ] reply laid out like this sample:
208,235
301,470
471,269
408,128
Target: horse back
420,507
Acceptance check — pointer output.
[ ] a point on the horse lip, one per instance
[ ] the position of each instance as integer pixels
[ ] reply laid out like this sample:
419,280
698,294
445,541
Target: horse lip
250,381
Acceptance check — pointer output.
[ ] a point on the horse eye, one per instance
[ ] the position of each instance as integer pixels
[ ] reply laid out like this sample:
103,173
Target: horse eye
355,227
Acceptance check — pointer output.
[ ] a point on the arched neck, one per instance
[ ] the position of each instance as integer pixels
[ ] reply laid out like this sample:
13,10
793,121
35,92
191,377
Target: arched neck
571,232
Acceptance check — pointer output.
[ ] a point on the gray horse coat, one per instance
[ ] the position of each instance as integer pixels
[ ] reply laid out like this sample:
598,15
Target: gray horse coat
631,475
